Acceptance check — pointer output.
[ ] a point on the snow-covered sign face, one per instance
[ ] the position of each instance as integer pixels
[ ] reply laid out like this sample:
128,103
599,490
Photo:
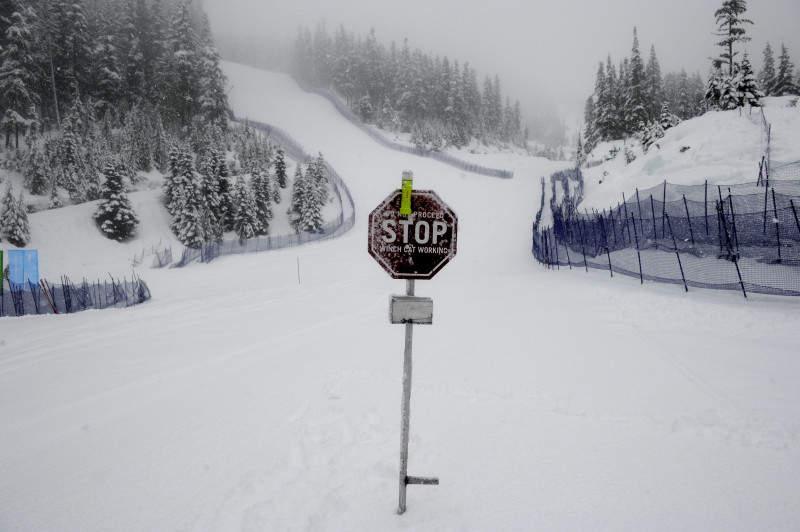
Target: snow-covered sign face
416,246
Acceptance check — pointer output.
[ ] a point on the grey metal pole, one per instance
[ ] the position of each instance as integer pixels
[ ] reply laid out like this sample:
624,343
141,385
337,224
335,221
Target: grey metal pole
405,412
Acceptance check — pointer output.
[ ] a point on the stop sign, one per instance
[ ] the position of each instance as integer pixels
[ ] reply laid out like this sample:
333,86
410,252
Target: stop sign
415,246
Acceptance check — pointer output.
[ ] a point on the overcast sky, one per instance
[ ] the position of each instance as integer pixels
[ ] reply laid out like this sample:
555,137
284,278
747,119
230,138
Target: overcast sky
536,46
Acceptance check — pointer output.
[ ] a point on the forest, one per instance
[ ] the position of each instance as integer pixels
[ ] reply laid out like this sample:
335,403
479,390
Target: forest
99,93
634,100
437,100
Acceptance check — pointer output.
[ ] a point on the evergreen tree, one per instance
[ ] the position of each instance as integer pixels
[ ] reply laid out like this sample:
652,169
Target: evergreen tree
213,102
607,111
280,167
14,220
73,49
183,62
580,156
730,26
210,194
106,80
748,89
7,204
590,128
115,215
715,88
767,77
729,94
222,174
784,80
17,74
666,119
37,168
55,201
189,221
636,106
654,85
263,195
300,195
245,221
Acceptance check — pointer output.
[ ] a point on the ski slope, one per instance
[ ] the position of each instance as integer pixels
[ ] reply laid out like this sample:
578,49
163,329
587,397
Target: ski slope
262,392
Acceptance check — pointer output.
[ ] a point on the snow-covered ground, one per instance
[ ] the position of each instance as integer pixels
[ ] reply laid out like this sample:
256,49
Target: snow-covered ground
262,392
724,148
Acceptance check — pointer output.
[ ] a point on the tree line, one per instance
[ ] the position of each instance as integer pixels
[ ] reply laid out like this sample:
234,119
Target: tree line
435,99
93,93
109,55
634,100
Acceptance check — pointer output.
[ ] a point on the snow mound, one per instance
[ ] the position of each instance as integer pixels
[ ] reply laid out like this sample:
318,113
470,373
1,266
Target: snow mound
723,147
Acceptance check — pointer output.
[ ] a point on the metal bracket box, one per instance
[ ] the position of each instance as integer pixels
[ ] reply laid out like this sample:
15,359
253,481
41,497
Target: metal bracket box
411,309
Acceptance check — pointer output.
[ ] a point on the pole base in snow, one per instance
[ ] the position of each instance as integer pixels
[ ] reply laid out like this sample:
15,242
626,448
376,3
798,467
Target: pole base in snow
430,481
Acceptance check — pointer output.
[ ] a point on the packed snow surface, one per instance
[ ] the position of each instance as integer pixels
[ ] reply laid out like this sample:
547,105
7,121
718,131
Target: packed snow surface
262,392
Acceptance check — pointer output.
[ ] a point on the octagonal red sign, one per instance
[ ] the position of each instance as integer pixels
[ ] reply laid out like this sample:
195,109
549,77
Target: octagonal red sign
416,246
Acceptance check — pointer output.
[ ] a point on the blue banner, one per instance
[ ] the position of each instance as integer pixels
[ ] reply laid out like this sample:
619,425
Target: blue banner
23,266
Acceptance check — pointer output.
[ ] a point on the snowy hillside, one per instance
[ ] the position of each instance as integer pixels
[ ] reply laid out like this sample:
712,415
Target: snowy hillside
262,392
723,147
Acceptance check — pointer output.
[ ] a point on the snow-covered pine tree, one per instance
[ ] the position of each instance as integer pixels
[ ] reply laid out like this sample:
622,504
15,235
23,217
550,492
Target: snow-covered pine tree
580,156
222,174
189,221
729,94
590,127
667,119
14,219
606,109
160,146
212,203
172,179
784,80
106,78
299,199
767,76
654,85
7,204
115,215
213,102
311,213
262,195
55,201
245,221
280,167
18,74
748,90
636,105
183,60
37,168
730,26
714,88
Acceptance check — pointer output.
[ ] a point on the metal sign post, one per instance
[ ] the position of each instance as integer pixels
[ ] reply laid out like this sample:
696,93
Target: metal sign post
405,409
412,235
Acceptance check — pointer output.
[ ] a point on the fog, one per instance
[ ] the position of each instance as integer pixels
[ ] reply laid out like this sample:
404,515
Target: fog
545,52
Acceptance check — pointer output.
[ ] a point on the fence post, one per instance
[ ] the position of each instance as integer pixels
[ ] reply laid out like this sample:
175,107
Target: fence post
605,242
733,221
583,247
664,210
777,225
625,205
689,219
653,212
796,220
613,226
638,254
678,255
554,246
705,205
766,196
